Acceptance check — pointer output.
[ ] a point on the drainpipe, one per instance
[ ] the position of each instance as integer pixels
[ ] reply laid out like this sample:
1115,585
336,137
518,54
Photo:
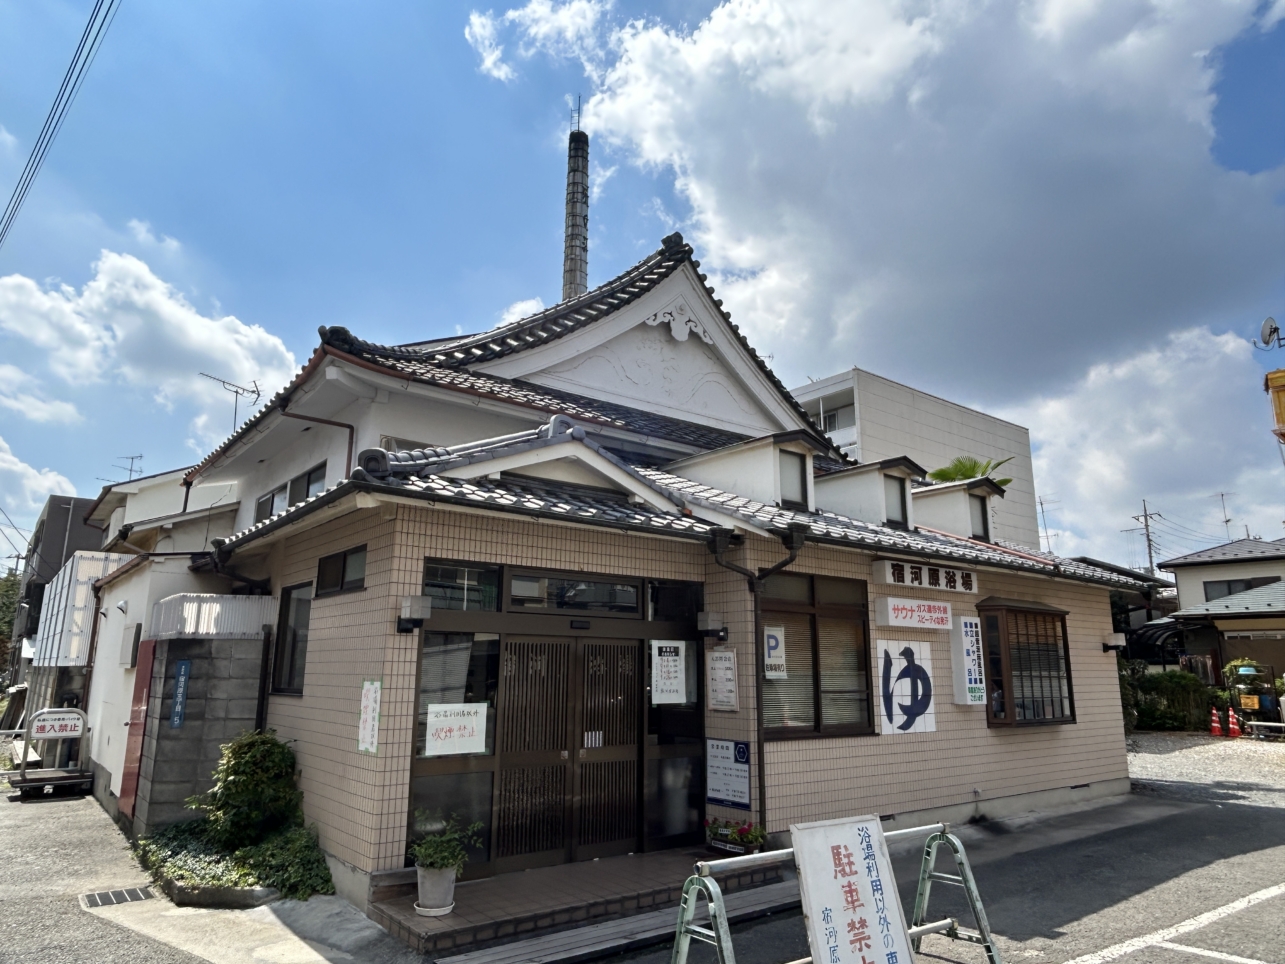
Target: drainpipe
325,421
720,541
187,492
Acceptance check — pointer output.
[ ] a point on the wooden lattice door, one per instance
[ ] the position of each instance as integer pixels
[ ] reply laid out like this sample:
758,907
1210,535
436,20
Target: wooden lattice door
605,805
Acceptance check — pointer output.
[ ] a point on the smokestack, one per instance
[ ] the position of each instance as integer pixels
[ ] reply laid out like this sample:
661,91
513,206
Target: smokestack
575,254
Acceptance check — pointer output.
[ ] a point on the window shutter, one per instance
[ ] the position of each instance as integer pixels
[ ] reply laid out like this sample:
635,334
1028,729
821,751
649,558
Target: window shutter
844,673
789,702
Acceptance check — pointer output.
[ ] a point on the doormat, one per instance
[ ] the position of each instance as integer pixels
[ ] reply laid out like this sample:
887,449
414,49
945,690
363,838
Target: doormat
108,897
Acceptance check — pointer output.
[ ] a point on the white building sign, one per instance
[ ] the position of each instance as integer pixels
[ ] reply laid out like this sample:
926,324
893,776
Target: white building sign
850,900
668,671
906,702
727,773
913,613
720,676
57,725
774,653
368,720
455,728
966,661
892,572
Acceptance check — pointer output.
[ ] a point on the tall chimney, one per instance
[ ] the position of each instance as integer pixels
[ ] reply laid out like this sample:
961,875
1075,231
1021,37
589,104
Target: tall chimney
575,254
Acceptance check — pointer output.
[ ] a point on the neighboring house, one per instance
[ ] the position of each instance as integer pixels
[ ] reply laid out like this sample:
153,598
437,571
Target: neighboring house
1225,570
870,417
1245,625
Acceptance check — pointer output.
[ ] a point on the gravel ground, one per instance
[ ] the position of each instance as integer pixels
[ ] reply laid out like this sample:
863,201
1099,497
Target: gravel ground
1196,766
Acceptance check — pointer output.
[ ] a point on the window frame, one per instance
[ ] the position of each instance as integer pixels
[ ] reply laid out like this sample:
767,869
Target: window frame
1251,582
507,574
904,499
781,461
289,487
319,593
1006,665
814,611
280,644
985,534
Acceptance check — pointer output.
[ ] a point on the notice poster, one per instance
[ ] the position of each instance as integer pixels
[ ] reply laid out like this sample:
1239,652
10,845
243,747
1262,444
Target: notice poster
915,613
57,725
368,719
455,728
774,653
720,676
848,893
727,773
668,671
966,661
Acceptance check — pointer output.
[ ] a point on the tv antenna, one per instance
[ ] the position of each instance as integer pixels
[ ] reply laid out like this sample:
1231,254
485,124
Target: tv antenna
1222,496
575,115
238,392
1042,501
1270,333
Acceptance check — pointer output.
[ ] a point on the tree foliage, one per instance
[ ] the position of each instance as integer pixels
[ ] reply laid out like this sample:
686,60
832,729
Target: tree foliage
254,791
964,467
10,584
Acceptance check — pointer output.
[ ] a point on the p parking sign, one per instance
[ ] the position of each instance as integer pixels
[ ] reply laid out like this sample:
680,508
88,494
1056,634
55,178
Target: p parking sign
774,653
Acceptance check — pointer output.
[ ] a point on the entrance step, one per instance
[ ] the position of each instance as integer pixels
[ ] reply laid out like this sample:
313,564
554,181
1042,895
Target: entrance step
628,933
516,906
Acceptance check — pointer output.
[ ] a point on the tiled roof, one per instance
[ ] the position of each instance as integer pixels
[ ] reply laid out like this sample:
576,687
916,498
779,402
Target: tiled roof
1238,551
834,528
1265,599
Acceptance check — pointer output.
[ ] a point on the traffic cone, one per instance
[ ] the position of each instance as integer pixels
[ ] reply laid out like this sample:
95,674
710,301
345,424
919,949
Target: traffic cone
1233,724
1215,723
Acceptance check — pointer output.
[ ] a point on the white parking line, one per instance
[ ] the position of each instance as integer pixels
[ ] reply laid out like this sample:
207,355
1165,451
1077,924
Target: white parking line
1186,927
1205,952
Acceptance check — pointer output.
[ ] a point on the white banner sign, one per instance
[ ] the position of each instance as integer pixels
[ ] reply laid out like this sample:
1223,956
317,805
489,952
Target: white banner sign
668,671
455,728
946,578
850,900
966,661
727,773
906,687
368,721
774,653
915,613
720,676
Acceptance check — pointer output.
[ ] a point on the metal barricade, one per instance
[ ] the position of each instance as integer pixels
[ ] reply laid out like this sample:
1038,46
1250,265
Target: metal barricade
719,933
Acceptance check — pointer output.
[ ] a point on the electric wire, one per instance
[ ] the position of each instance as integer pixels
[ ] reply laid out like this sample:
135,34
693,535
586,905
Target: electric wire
100,21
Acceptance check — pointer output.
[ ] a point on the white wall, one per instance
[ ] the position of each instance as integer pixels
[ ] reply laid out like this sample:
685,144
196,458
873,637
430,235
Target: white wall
752,470
947,511
1191,579
857,495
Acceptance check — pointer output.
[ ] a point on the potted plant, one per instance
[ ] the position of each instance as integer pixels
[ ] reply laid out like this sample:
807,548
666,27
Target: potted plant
439,858
728,836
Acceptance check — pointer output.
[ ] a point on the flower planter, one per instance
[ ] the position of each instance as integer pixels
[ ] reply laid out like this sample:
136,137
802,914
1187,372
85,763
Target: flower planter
436,891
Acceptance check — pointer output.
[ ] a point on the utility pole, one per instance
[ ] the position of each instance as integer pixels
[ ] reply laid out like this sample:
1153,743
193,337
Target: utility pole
1145,519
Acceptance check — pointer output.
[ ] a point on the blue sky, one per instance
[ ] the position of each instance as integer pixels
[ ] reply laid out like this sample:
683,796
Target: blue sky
293,165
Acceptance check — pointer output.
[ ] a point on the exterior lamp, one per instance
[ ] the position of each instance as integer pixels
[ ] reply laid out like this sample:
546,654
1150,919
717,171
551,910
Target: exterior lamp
415,610
710,626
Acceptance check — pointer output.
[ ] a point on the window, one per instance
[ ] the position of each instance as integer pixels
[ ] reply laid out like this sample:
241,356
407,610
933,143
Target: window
457,587
302,486
978,514
292,639
794,483
894,500
1229,587
825,687
829,421
457,668
342,571
528,591
1028,676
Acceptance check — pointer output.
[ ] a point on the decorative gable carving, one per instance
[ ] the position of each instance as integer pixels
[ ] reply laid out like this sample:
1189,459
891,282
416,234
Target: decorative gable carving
680,320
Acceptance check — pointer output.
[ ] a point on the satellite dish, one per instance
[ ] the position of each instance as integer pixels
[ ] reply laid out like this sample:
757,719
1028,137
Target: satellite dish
1270,333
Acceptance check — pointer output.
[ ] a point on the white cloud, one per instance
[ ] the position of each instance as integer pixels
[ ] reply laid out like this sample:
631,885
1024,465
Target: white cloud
142,232
520,309
1174,424
568,30
128,325
23,488
21,393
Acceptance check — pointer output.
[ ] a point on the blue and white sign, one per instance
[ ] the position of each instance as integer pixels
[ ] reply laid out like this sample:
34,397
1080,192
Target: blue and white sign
727,773
905,687
182,674
774,653
966,661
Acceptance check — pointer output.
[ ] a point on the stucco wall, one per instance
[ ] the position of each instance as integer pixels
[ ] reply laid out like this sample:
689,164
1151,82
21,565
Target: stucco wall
1191,579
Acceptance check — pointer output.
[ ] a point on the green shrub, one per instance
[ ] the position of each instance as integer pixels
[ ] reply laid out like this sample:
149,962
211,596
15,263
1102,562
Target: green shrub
446,846
291,861
254,792
1173,700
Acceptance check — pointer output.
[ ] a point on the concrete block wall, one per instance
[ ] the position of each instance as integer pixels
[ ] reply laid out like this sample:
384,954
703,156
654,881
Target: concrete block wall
222,703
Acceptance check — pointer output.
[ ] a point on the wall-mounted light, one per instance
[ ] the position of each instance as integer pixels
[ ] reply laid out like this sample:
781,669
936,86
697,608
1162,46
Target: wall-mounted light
1115,644
415,611
710,626
123,606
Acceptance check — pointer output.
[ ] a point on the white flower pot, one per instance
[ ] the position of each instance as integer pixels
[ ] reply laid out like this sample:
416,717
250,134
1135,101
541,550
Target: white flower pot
436,891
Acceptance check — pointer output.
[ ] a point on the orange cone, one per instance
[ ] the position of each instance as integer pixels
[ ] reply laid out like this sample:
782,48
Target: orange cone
1233,724
1215,724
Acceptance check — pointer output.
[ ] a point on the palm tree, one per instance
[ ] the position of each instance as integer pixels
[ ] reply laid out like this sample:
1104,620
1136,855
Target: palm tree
964,467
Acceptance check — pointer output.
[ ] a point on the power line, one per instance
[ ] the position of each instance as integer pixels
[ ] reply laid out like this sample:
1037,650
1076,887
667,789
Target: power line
100,21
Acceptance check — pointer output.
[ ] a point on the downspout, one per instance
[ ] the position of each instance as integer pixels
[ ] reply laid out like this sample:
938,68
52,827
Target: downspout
84,750
187,492
325,421
261,711
720,541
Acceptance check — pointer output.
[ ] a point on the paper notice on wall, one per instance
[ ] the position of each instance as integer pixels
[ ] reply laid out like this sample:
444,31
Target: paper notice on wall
966,661
727,773
668,671
455,728
368,721
774,653
720,676
849,896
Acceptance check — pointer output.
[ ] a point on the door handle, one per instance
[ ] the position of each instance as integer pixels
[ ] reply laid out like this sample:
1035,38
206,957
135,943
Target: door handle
582,754
564,754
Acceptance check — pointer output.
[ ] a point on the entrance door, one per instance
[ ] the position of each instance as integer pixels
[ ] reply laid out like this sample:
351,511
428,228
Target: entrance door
137,727
568,745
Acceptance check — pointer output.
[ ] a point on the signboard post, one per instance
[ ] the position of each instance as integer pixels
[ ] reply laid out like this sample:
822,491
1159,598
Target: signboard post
966,661
668,671
455,728
849,896
720,674
727,773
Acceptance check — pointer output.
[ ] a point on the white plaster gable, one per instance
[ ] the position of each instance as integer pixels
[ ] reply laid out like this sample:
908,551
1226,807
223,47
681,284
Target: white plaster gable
669,353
